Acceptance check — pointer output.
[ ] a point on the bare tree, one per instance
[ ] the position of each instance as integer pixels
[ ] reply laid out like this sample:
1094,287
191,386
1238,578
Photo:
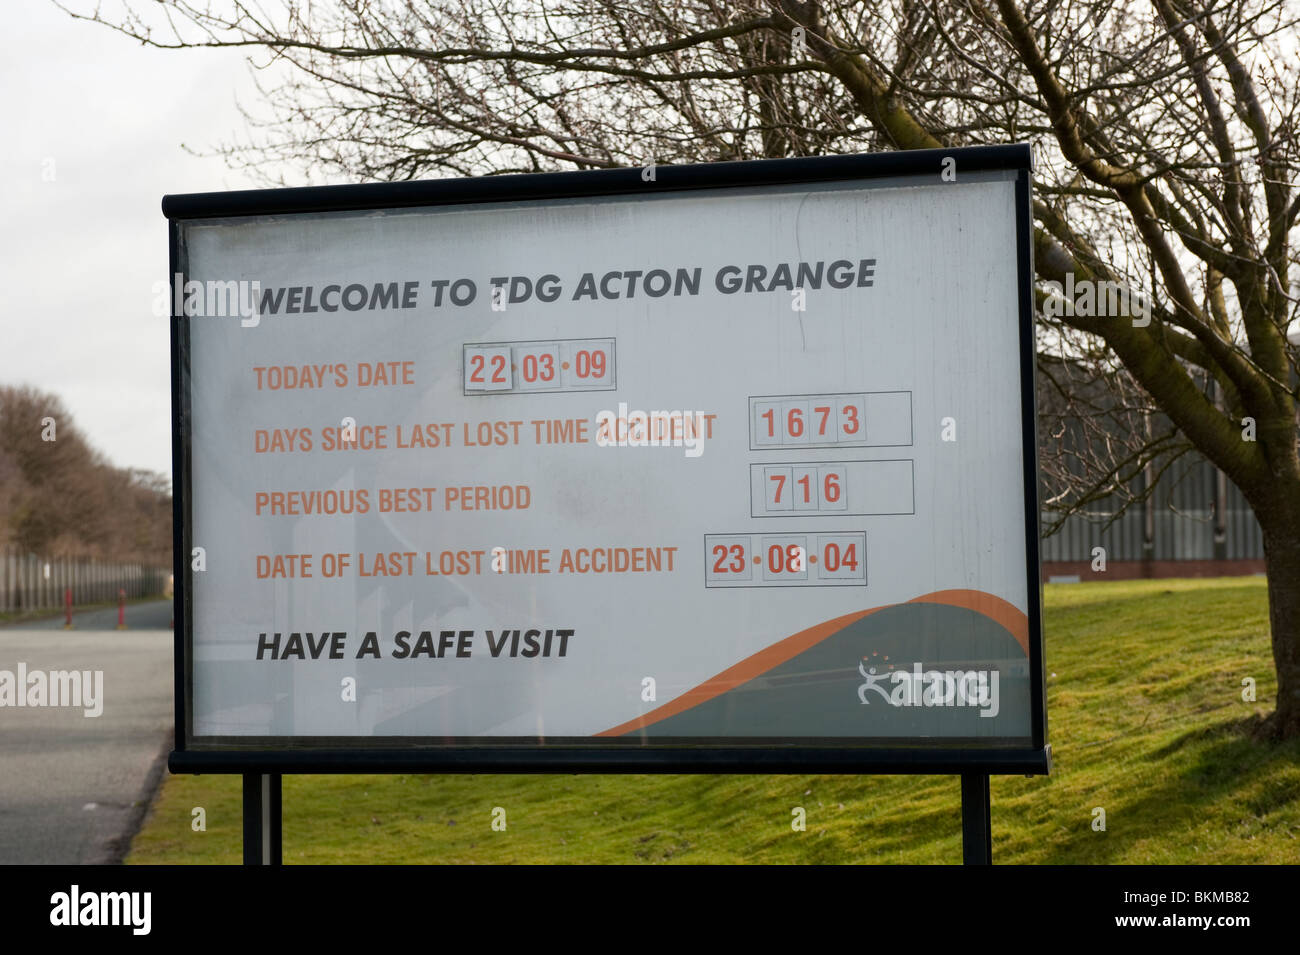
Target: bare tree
1165,133
61,498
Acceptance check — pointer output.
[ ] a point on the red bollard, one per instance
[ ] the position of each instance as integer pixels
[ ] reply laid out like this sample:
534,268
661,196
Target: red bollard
67,606
121,610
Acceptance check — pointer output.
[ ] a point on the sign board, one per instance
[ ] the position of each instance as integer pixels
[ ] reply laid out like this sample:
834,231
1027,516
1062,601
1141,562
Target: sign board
724,467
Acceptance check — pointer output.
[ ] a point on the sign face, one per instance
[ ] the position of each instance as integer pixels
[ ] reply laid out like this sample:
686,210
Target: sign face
720,466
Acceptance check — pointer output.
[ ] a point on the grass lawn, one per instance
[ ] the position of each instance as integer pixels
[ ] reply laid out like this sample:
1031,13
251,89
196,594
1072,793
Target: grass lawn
1145,717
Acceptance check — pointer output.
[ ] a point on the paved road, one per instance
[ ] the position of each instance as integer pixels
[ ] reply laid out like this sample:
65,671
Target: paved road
72,786
154,615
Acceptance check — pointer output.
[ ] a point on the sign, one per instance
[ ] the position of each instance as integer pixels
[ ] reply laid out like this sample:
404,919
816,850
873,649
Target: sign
721,467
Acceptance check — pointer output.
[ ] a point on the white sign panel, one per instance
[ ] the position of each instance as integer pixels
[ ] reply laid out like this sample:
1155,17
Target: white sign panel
728,464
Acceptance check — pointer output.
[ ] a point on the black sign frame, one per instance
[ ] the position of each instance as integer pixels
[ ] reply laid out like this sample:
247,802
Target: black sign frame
619,754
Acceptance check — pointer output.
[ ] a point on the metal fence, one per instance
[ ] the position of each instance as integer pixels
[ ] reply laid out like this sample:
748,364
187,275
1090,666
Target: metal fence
32,582
1193,514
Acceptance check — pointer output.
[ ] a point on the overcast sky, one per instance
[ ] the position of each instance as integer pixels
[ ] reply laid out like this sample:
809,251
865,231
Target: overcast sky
79,255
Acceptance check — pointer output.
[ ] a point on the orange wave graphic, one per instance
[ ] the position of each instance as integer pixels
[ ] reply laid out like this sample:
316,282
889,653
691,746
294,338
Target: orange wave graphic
996,609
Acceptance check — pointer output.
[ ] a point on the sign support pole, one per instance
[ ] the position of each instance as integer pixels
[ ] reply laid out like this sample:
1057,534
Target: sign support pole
976,830
262,844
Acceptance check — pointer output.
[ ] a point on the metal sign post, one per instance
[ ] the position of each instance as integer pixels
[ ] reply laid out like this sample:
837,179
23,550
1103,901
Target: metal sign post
976,826
262,817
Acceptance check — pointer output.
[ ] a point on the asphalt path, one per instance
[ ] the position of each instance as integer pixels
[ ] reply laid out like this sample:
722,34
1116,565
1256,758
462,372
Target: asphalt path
154,615
74,788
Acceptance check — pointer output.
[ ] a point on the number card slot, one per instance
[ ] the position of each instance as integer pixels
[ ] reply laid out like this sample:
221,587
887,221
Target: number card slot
835,559
727,560
852,413
536,367
765,424
833,483
870,419
487,368
777,485
840,557
823,420
586,364
831,488
807,492
794,422
784,558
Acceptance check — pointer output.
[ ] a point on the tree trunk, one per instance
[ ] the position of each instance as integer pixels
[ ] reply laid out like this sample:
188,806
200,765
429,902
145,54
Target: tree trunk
1281,527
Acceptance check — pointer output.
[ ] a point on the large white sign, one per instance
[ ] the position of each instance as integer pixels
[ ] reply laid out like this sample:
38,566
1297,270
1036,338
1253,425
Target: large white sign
726,464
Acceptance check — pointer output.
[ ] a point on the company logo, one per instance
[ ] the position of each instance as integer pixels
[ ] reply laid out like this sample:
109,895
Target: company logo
917,687
84,688
75,907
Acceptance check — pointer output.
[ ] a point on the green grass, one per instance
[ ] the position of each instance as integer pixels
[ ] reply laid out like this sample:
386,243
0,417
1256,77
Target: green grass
1145,719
